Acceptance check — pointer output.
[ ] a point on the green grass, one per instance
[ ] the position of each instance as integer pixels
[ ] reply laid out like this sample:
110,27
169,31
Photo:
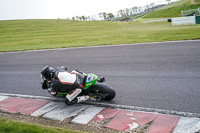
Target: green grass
20,35
9,126
179,3
174,9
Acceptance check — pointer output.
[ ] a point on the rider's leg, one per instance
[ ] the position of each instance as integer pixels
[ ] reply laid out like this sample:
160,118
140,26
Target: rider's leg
72,97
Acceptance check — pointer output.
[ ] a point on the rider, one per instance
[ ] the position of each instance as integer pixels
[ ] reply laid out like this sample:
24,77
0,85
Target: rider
60,80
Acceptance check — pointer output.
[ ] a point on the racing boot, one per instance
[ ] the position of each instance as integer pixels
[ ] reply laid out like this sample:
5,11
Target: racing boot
71,98
82,98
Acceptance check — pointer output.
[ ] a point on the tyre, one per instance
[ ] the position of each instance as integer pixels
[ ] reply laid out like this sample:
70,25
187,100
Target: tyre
103,91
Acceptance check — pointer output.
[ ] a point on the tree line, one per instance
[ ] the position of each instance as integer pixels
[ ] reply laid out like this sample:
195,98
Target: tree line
121,13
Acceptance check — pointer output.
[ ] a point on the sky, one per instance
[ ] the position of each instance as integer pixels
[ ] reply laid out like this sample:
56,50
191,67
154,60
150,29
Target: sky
54,9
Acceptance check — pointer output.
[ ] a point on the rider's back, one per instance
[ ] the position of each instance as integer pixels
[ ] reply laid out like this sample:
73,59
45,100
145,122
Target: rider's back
64,81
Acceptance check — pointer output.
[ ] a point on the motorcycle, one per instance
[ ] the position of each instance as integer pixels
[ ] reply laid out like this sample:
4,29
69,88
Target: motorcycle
94,88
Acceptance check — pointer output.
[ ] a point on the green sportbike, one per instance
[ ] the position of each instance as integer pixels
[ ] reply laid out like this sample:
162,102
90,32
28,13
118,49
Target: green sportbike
95,88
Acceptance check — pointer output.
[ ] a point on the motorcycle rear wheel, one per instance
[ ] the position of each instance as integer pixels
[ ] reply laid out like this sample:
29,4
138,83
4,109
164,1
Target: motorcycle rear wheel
103,91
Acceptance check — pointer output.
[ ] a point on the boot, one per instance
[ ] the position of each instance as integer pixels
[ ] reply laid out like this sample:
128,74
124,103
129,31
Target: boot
82,98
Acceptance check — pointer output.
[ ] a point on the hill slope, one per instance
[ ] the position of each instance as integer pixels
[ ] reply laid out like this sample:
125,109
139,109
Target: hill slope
174,9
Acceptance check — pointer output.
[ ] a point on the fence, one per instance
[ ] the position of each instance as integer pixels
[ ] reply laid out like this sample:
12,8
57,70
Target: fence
191,12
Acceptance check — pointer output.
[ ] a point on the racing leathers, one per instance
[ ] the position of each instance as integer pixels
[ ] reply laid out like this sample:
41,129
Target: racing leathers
63,81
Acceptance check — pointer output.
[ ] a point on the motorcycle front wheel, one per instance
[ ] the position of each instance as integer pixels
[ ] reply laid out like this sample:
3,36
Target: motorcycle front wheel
102,92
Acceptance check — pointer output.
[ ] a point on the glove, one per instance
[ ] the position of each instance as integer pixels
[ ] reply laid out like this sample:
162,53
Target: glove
43,82
44,85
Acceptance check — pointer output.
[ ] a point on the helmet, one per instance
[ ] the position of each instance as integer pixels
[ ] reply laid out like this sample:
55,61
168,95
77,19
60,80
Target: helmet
47,72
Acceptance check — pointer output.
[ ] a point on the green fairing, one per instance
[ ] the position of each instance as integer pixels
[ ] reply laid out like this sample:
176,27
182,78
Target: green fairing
90,80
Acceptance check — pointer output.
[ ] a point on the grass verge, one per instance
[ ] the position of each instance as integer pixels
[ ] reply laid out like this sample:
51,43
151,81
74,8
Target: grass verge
9,126
18,35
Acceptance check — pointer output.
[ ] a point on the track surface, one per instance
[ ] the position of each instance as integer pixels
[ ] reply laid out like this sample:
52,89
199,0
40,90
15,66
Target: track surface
154,75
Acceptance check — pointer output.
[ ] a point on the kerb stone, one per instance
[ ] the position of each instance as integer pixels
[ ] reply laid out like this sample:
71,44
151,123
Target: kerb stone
45,109
187,125
63,111
87,115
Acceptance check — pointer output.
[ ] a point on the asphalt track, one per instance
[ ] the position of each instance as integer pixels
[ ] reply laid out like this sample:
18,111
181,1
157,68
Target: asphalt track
153,75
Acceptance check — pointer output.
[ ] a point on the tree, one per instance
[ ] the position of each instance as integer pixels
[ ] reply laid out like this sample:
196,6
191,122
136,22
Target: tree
121,12
77,18
133,10
83,18
127,11
104,15
101,15
153,4
136,9
168,1
147,8
88,18
140,9
110,15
